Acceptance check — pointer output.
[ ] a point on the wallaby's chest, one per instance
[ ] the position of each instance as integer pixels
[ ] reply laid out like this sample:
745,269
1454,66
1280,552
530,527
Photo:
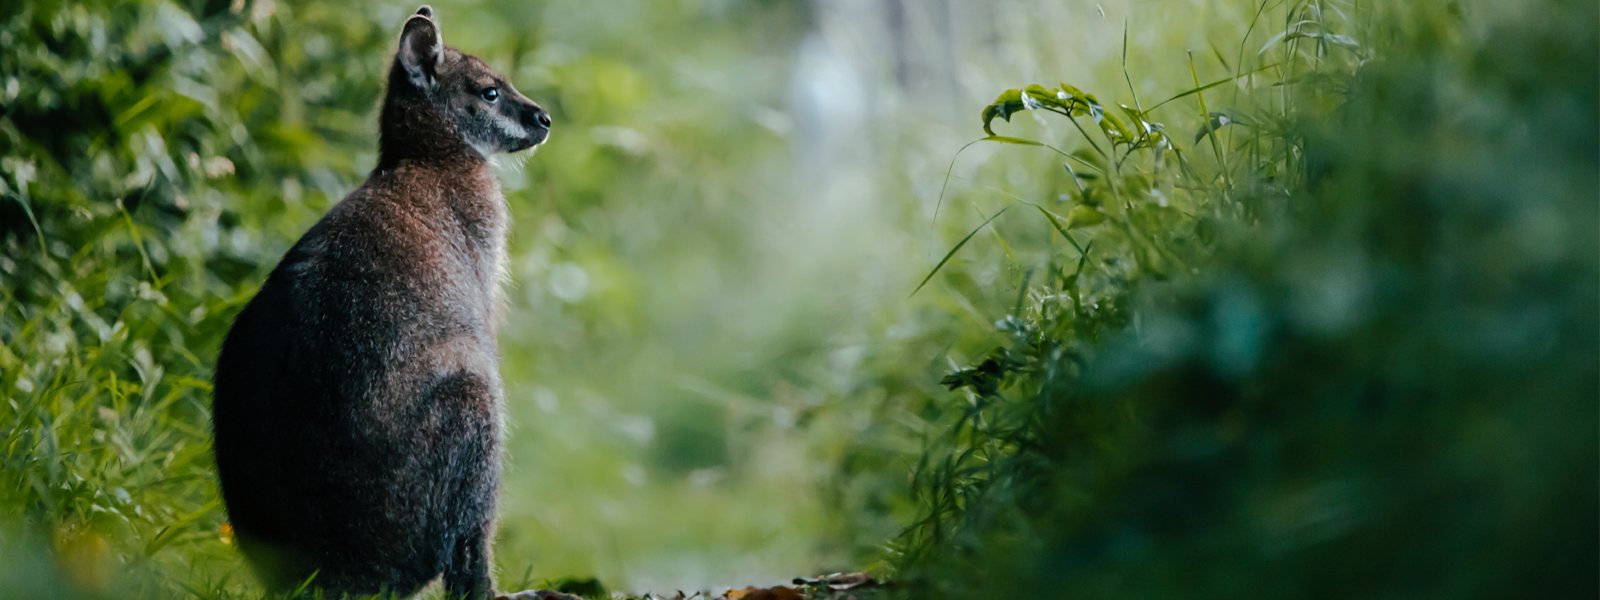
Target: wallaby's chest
445,227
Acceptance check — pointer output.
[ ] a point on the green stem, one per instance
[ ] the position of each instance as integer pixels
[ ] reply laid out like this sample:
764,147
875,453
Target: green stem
1205,121
21,199
139,242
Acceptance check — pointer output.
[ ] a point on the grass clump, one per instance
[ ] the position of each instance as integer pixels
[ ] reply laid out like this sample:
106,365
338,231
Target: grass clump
156,162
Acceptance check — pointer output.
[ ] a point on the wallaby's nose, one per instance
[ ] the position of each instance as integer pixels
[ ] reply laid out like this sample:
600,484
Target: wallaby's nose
537,116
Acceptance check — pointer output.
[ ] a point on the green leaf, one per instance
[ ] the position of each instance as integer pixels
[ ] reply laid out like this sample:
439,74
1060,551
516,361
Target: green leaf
1036,93
1211,85
1218,121
1027,142
1288,33
1109,123
1084,155
1032,97
1115,129
1149,134
1295,31
989,113
1133,114
957,248
1084,216
1074,99
1342,40
1007,104
169,533
1056,221
984,379
1097,112
1012,140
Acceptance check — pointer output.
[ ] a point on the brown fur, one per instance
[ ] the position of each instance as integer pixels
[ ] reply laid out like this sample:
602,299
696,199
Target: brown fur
357,401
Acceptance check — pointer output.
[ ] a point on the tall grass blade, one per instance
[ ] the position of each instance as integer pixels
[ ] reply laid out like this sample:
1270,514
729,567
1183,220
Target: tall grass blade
1201,88
1222,162
957,248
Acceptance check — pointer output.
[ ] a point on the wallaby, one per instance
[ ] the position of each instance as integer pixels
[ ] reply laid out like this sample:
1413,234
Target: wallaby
357,403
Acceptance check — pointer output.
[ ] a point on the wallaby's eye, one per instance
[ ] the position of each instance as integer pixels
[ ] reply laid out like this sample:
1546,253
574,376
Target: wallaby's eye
490,95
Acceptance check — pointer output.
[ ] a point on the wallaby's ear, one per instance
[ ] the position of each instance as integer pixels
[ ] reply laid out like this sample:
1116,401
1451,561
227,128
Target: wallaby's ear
421,48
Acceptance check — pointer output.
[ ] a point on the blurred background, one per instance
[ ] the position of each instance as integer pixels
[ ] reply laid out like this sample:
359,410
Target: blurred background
717,371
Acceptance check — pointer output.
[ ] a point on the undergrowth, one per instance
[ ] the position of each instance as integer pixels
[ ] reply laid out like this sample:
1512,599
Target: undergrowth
146,185
1283,358
1148,214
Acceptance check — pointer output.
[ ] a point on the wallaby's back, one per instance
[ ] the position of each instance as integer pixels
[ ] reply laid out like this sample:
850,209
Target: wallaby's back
357,397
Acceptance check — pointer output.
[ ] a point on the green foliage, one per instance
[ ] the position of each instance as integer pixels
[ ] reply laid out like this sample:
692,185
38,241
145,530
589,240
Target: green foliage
147,186
1368,370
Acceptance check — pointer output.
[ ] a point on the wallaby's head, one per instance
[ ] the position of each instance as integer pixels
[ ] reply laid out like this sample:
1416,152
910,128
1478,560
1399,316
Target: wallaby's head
439,96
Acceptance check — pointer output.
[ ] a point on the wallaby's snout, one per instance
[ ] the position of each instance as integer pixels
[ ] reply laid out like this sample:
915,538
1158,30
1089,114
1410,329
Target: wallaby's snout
540,117
535,121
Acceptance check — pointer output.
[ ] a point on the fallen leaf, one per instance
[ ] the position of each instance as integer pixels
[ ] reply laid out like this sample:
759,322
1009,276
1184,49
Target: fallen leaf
755,593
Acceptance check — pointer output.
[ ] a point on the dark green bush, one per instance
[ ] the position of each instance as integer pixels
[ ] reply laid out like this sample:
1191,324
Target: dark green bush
1380,379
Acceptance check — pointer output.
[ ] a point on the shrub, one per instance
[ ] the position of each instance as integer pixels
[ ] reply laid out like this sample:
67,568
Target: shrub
1372,372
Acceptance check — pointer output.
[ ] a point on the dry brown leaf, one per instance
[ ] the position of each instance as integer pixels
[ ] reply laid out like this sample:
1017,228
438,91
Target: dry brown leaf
755,593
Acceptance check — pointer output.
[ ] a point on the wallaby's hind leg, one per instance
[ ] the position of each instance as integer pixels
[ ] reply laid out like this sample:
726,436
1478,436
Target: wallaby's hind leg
468,574
470,476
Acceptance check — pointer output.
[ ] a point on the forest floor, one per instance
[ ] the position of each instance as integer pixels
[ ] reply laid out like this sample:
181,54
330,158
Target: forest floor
837,586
